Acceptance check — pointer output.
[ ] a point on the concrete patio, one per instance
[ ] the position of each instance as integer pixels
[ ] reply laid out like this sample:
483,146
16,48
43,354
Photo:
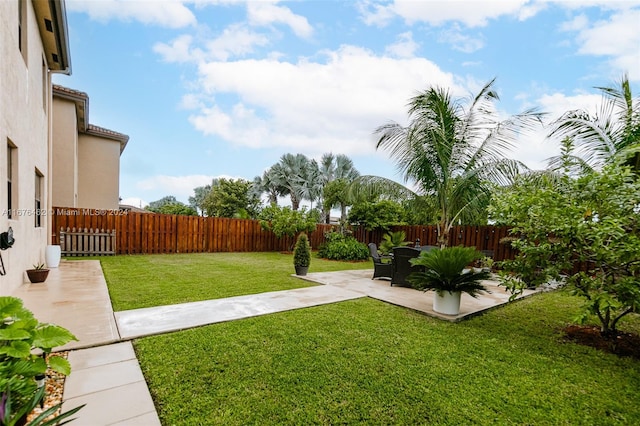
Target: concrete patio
106,375
360,281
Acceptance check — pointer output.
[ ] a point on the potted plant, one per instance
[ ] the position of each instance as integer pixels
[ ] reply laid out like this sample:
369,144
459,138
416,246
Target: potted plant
446,273
302,254
38,274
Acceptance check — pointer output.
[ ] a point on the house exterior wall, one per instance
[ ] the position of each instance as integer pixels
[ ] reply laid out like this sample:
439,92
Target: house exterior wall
98,172
25,102
64,192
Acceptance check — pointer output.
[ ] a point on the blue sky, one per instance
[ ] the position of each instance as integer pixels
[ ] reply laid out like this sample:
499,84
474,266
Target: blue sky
223,88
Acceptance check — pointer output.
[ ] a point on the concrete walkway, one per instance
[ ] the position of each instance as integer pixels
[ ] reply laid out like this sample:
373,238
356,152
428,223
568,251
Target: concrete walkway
106,375
162,319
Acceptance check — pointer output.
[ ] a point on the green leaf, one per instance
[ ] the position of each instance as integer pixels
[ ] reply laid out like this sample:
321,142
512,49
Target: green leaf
10,333
17,349
50,336
59,364
9,306
28,367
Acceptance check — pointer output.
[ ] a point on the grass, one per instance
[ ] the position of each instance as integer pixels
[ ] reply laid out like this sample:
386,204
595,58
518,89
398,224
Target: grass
365,361
142,281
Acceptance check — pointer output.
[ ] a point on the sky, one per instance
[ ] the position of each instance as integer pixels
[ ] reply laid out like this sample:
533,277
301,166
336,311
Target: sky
223,88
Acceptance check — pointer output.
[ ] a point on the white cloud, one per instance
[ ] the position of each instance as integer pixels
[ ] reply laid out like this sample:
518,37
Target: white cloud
556,104
459,41
309,106
235,41
405,47
373,13
578,23
438,12
264,13
179,50
617,38
165,13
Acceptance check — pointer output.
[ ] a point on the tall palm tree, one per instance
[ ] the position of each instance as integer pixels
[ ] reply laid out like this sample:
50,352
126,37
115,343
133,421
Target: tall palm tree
611,134
451,153
311,182
296,176
268,184
332,168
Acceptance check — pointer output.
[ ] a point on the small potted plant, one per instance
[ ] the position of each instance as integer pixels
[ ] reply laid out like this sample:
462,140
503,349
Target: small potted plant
302,254
38,274
446,272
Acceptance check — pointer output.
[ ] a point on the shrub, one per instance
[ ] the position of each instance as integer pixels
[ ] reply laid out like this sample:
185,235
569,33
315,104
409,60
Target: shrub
22,337
341,247
302,251
391,240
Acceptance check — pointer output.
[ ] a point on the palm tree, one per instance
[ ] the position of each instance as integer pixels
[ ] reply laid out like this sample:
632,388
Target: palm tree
268,184
451,153
611,134
333,168
296,175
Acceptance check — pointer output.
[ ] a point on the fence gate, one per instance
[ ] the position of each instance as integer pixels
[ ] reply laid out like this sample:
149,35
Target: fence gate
87,242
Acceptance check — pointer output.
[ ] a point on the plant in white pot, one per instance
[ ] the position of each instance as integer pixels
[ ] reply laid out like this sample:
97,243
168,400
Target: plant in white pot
446,272
302,254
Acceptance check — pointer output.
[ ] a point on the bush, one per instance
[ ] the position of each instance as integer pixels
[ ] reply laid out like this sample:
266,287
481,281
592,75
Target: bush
302,251
22,339
340,247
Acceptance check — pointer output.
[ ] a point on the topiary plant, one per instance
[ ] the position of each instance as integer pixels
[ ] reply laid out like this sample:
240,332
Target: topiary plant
302,253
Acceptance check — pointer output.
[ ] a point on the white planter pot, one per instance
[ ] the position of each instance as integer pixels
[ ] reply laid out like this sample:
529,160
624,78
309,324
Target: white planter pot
447,303
52,256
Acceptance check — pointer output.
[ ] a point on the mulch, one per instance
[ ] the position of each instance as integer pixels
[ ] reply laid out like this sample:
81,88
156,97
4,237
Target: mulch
623,344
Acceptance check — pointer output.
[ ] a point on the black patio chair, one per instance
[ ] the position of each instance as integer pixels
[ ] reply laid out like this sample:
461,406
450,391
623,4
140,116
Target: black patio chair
381,269
401,266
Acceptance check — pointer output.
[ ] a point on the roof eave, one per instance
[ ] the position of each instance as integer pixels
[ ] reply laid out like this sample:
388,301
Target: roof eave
52,23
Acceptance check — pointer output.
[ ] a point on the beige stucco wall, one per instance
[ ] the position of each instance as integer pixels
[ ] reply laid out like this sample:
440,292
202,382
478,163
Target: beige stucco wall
24,121
98,172
65,154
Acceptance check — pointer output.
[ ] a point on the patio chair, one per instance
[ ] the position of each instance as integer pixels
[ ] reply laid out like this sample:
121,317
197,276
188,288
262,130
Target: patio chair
401,266
381,269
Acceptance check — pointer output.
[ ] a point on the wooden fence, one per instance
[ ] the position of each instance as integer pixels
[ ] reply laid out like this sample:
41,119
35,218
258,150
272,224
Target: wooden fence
149,233
87,242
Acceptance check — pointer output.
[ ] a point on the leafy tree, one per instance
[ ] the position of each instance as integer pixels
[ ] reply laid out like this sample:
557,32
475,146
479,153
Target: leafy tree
611,134
451,153
199,195
378,215
336,168
155,205
286,222
169,205
334,194
564,226
231,198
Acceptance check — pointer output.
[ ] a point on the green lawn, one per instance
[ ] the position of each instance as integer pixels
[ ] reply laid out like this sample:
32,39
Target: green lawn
153,280
365,361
